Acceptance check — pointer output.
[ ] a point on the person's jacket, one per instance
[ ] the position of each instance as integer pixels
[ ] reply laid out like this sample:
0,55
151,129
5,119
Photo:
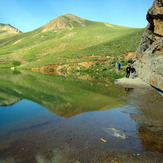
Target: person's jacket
133,70
128,69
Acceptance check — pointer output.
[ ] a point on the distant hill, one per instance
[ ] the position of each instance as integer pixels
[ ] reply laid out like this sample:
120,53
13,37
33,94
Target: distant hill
66,21
6,30
69,39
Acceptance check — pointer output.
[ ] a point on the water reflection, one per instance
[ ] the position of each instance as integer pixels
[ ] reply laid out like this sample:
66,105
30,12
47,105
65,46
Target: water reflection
52,118
31,132
129,89
146,110
63,96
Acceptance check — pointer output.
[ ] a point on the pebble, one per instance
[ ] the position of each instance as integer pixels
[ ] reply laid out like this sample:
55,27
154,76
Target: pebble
22,149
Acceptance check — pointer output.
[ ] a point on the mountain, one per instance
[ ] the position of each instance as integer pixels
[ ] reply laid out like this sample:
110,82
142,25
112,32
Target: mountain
150,52
6,30
66,21
69,39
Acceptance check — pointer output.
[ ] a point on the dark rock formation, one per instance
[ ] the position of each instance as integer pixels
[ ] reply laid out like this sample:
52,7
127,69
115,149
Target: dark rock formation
150,52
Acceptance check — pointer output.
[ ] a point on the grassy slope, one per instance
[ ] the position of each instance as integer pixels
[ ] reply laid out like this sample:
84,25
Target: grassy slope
6,31
4,34
39,48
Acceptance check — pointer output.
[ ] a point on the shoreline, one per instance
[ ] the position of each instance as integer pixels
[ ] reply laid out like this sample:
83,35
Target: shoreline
133,83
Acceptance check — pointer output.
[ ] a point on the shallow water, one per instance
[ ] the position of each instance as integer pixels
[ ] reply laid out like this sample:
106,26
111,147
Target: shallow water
56,119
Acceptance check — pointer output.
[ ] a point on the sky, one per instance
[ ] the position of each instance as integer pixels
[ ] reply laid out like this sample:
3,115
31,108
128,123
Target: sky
27,15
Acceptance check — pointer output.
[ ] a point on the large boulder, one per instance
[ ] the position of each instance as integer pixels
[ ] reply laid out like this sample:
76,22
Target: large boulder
150,52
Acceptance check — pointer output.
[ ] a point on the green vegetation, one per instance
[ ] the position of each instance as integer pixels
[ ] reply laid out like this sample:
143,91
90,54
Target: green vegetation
64,46
99,71
63,96
16,63
4,35
7,30
51,70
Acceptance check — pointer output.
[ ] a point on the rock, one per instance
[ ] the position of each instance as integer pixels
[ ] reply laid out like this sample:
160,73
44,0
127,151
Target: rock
149,54
153,81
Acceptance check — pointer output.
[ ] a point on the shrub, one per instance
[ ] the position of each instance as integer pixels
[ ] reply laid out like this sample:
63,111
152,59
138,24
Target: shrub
16,72
16,63
97,64
51,70
104,69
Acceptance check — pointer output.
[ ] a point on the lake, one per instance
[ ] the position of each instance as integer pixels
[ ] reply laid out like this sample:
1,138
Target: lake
62,119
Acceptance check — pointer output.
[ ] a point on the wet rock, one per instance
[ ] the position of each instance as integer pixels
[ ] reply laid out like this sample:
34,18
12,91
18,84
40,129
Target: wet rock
22,149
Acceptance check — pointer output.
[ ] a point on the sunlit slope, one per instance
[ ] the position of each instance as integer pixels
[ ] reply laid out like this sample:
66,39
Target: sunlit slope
6,30
68,36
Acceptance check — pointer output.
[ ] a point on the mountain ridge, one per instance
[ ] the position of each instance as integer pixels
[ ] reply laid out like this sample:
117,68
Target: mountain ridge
65,21
70,21
7,30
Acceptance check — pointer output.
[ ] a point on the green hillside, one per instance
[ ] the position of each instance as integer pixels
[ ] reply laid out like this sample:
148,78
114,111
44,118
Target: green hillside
66,40
6,30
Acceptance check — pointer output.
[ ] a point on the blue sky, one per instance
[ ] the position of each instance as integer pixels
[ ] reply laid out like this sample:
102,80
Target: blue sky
27,15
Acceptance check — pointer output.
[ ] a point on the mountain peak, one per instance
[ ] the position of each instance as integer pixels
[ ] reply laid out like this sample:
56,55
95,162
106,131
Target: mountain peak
9,28
66,21
68,14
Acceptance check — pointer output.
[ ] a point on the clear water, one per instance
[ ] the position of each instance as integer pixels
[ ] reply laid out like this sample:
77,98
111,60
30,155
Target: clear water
46,118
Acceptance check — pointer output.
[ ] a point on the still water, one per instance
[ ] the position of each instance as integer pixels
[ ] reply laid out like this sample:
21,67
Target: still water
56,119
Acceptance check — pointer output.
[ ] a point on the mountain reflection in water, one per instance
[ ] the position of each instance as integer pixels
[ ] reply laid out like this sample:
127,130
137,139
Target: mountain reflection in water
53,118
63,96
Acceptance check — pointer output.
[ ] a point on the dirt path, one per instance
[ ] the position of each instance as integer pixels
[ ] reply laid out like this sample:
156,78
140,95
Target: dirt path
129,82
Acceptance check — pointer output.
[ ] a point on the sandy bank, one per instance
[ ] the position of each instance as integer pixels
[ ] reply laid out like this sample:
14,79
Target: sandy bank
129,82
